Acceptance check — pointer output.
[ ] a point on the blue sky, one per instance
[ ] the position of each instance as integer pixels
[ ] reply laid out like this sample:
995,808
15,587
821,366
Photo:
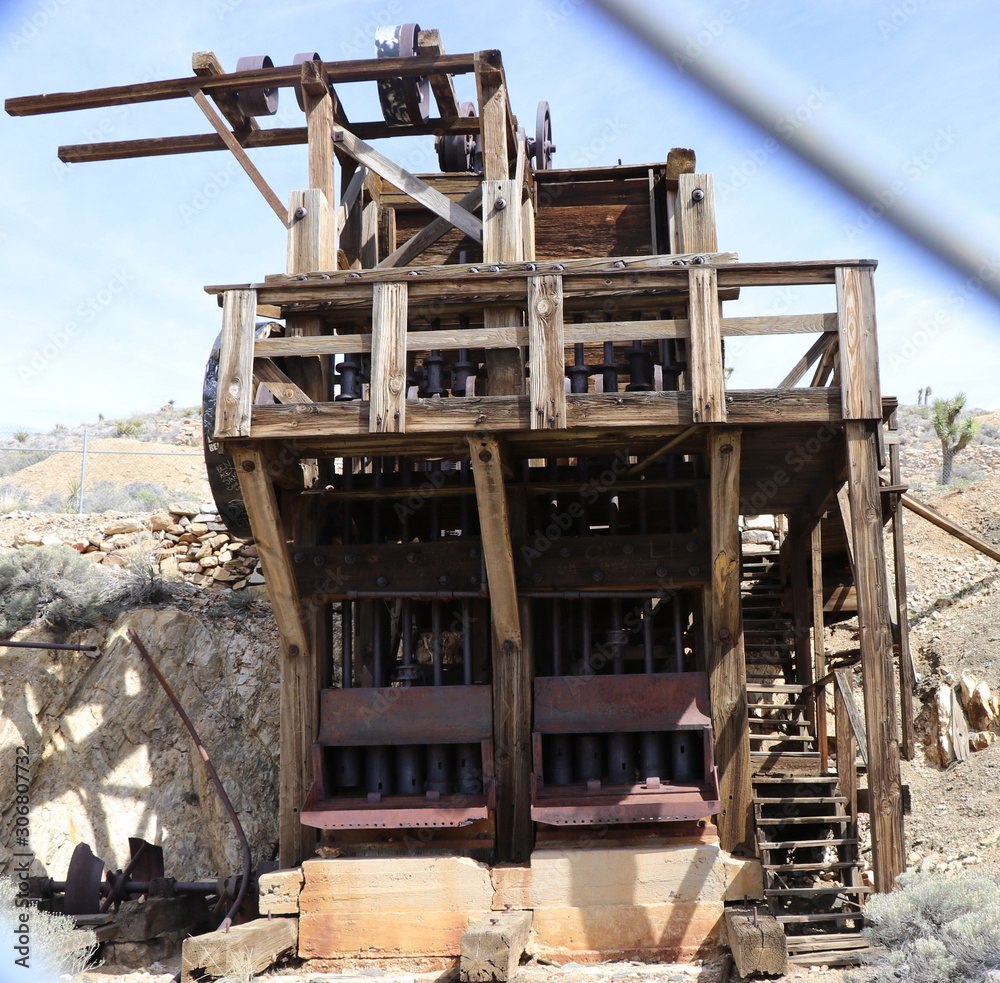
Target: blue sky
104,263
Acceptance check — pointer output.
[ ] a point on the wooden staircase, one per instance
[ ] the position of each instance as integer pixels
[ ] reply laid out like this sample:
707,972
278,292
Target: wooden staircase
807,835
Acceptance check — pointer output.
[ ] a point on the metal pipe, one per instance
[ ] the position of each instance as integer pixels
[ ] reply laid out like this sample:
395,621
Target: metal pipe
378,645
49,645
647,638
585,638
678,634
212,774
557,667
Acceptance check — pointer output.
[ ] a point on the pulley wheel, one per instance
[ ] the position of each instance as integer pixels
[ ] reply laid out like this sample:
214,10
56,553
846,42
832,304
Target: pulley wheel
542,148
256,102
407,99
83,882
303,56
460,151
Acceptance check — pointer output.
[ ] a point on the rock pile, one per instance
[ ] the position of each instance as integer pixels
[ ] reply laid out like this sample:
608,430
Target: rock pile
187,542
965,717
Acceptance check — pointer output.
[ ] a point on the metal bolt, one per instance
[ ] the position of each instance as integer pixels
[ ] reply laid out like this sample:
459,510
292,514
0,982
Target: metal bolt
485,457
249,466
493,269
299,558
412,557
697,195
536,577
694,570
724,633
597,576
349,558
564,551
301,212
354,276
619,265
530,267
473,269
697,260
662,571
691,546
293,650
726,449
413,273
501,204
318,560
444,580
381,581
628,549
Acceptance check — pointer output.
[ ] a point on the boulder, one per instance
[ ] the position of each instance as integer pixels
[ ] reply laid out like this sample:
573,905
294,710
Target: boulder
124,526
161,521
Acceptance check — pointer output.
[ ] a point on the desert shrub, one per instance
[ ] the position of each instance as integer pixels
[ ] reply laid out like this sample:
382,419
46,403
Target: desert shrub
57,948
13,460
54,583
129,428
12,497
935,928
136,584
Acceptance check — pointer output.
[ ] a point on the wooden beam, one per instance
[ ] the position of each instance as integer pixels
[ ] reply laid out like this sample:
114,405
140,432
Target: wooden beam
212,115
311,236
799,369
512,671
856,724
859,377
205,65
493,946
675,441
708,380
387,406
799,567
278,384
235,387
757,942
875,637
418,190
844,504
819,638
695,214
725,656
299,696
546,384
429,234
246,949
967,536
429,44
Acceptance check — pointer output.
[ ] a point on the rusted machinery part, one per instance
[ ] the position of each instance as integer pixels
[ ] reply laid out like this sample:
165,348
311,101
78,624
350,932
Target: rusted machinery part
212,774
48,645
461,151
542,148
407,99
222,476
256,102
83,882
145,859
300,58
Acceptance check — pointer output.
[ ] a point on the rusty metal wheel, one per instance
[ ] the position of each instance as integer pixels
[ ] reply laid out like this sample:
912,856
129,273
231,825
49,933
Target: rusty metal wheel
256,102
406,99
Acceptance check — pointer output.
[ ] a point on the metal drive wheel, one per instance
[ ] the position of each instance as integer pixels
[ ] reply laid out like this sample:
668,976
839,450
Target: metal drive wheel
542,148
461,151
406,99
83,882
256,102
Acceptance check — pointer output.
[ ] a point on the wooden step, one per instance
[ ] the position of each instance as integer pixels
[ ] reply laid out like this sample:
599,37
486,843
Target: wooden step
809,868
821,943
800,799
814,892
801,820
775,687
795,779
783,738
794,844
822,916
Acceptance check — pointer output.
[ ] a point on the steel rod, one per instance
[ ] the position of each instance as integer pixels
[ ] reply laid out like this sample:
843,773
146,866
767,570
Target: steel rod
49,645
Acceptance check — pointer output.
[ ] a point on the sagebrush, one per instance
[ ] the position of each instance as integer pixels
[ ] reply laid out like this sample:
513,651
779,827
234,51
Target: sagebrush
934,928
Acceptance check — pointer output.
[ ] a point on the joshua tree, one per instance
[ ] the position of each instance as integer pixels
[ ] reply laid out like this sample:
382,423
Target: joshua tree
953,430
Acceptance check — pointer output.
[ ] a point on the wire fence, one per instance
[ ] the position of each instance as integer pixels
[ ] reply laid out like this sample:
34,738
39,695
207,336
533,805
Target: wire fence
102,469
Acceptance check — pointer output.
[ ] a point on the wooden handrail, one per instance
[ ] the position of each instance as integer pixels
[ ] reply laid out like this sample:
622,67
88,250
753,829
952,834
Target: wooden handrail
844,692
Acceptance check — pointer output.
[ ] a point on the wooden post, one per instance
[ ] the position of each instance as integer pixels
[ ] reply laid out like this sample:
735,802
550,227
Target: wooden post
546,389
847,768
885,794
725,654
387,405
708,378
819,641
320,119
311,237
694,215
512,670
858,345
799,556
235,385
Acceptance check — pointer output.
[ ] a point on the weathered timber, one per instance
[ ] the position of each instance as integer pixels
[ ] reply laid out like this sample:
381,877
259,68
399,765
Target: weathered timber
818,636
253,946
235,394
816,351
546,389
311,232
725,655
708,383
492,947
695,214
205,64
406,253
278,384
757,942
858,345
279,892
966,536
875,637
387,406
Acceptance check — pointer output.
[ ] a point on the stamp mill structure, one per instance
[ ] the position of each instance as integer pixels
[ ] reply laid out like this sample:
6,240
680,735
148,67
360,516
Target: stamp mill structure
481,432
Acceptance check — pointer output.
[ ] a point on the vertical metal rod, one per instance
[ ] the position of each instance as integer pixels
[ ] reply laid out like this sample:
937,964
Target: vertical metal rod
678,634
347,643
436,643
464,477
467,667
406,630
585,638
378,643
609,371
647,636
376,503
557,667
617,638
83,472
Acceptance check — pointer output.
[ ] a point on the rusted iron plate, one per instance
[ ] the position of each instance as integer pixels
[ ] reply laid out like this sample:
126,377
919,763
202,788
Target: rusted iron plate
393,812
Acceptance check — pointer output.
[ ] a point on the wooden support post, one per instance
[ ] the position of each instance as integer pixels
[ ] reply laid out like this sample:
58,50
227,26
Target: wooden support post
757,942
819,640
799,568
546,389
875,637
321,115
512,670
907,670
725,654
371,200
387,403
299,693
858,344
492,947
847,768
235,387
708,378
695,214
248,948
311,233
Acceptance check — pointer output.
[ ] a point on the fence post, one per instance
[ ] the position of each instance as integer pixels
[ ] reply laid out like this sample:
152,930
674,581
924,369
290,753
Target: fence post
83,473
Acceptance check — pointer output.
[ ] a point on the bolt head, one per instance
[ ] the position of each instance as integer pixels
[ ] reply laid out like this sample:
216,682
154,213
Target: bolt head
301,212
697,195
249,466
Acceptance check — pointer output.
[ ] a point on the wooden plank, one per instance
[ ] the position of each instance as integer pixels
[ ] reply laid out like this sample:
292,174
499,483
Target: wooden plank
966,536
859,377
492,947
277,383
546,384
818,637
230,140
299,693
845,689
844,504
429,44
799,570
725,655
387,408
708,379
235,387
429,234
512,671
311,235
757,942
875,637
356,70
799,369
205,64
248,948
419,190
695,215
666,448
